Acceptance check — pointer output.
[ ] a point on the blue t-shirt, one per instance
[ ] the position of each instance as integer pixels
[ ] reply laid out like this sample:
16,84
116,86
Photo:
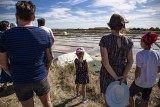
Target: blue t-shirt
26,47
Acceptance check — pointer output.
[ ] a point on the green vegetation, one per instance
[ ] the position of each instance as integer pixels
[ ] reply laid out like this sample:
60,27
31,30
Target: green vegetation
99,30
63,89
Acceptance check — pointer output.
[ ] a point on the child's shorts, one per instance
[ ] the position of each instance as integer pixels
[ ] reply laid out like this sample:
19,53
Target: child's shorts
134,89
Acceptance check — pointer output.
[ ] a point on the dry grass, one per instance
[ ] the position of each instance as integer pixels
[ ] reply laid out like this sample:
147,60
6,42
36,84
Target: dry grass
63,90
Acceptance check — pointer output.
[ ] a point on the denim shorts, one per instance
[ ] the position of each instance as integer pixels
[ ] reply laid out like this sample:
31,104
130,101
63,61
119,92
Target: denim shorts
134,89
25,91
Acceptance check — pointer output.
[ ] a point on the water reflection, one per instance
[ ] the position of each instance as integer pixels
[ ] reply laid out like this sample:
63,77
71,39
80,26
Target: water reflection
66,44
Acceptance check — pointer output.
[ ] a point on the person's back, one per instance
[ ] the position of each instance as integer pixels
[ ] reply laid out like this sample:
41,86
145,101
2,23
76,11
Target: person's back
41,24
27,56
148,62
29,51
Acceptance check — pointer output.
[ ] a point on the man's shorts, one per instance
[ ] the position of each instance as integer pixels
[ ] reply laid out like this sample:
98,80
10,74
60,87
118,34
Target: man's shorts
25,91
134,89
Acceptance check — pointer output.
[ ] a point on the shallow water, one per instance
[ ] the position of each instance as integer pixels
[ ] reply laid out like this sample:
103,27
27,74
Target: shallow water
66,44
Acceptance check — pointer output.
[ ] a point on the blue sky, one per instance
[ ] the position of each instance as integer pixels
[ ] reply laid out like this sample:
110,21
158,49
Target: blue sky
89,13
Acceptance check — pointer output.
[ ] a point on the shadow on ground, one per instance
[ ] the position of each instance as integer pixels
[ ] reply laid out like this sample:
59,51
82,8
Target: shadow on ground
7,92
63,104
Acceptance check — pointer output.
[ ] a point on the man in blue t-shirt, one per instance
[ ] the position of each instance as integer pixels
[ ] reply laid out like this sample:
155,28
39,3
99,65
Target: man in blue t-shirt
28,49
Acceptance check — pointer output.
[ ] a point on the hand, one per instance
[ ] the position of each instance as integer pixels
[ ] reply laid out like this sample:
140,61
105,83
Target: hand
123,80
118,78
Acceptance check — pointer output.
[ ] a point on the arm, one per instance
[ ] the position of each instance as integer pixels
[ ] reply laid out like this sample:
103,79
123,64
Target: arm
49,57
129,63
87,67
158,69
105,62
4,62
137,72
52,36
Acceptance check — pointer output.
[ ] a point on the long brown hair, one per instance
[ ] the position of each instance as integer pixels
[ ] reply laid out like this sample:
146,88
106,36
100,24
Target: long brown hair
117,22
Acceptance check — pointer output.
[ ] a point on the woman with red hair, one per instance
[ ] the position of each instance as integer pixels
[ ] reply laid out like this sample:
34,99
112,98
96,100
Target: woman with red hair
147,64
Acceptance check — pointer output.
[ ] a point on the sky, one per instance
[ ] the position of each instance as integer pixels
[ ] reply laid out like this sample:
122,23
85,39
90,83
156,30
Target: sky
88,13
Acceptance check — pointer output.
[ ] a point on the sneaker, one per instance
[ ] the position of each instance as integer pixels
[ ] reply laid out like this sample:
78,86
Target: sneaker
138,101
84,100
78,95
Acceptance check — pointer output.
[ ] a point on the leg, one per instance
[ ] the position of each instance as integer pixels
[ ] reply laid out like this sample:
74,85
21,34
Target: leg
42,88
146,96
134,89
131,102
46,100
77,88
105,102
84,90
28,103
159,83
24,94
144,103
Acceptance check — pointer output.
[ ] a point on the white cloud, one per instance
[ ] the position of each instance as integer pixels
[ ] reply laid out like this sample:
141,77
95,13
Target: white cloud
83,13
103,3
8,4
118,5
62,17
7,16
56,13
149,11
73,2
95,15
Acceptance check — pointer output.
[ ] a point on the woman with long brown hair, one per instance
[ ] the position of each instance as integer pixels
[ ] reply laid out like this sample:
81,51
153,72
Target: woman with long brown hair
116,53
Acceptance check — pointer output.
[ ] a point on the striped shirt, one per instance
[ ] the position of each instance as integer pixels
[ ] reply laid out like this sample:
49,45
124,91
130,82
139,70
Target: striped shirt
26,47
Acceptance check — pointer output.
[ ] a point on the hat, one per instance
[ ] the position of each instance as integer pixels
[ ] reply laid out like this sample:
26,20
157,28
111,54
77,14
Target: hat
79,50
117,95
150,38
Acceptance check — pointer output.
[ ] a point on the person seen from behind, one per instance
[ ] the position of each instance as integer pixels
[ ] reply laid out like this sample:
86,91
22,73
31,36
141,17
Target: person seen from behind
41,24
4,77
147,64
82,77
27,47
116,54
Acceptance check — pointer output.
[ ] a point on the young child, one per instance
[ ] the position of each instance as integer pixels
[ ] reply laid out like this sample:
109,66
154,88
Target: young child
81,73
147,63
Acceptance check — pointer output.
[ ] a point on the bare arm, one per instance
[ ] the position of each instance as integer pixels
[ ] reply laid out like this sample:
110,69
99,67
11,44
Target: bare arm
137,72
49,57
4,62
158,69
87,67
105,62
52,36
129,63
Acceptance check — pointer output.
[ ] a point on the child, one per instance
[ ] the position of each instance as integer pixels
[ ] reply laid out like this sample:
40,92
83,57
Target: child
147,63
81,73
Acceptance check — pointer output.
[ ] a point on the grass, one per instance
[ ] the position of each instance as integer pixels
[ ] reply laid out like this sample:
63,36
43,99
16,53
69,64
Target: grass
63,90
